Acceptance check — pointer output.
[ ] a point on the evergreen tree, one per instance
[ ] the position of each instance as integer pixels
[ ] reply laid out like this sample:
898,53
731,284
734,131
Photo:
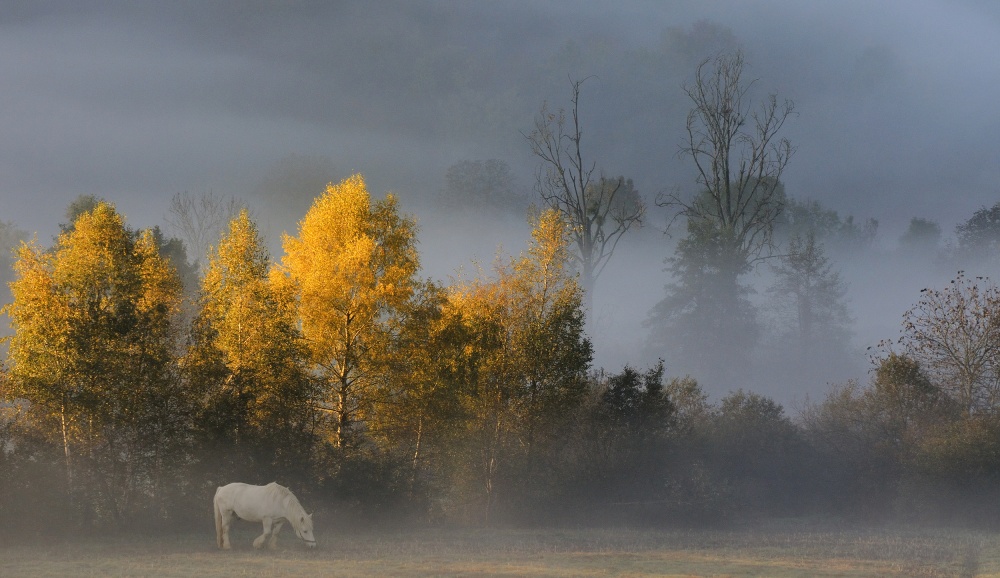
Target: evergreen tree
807,286
706,324
730,221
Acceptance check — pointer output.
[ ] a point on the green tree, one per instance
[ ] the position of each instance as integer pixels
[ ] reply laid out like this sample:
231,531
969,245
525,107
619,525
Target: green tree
78,206
860,474
877,441
554,351
977,241
759,450
905,396
947,459
802,218
626,439
93,352
636,406
419,412
352,270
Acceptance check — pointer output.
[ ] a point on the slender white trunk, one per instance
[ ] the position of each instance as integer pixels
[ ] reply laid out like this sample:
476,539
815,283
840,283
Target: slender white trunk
66,450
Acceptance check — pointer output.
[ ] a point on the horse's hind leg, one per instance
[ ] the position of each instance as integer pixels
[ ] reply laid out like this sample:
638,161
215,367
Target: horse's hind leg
273,542
223,530
218,523
267,533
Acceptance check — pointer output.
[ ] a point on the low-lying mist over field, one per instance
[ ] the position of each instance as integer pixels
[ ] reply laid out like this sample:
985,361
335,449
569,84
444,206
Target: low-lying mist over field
501,263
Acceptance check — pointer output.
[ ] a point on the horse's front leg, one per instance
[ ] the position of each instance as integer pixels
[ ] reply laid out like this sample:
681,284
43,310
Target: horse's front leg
267,531
273,543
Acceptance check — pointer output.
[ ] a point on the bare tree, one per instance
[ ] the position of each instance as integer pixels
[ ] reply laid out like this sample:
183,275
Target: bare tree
199,219
599,209
738,155
955,334
706,315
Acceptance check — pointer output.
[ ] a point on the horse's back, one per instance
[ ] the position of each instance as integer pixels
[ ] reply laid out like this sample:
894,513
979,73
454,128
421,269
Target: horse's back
235,486
224,495
251,502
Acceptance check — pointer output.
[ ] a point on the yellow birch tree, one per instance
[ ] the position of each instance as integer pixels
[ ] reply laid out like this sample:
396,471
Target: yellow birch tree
525,358
352,268
92,351
247,358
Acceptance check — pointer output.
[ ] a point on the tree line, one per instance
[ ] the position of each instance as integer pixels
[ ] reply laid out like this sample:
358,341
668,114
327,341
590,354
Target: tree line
335,368
382,396
137,382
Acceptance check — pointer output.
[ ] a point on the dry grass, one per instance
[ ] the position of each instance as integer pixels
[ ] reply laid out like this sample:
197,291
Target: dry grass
790,549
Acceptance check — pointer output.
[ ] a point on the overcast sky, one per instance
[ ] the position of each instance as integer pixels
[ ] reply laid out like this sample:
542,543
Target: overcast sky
896,100
136,101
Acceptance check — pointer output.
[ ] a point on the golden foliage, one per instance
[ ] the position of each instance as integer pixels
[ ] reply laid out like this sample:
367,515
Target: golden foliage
524,353
246,352
92,347
352,268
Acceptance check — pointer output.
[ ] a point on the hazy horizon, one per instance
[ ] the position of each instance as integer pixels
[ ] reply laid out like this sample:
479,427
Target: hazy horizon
135,103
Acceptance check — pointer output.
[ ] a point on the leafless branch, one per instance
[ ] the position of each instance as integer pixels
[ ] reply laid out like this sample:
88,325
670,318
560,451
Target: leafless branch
738,156
600,209
200,219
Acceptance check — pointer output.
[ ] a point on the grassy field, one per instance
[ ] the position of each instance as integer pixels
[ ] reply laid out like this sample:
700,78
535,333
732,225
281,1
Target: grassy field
777,549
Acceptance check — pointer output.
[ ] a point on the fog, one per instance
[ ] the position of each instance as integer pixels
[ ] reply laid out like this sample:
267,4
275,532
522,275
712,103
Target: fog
896,118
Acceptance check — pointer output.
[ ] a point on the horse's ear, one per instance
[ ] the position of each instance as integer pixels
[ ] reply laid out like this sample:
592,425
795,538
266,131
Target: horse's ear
310,515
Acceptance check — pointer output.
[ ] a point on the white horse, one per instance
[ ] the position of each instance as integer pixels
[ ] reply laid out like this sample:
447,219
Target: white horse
272,504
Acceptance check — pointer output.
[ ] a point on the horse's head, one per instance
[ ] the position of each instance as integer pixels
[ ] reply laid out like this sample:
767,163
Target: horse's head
303,524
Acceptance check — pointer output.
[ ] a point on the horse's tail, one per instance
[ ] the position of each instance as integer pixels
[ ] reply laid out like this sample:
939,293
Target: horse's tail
218,517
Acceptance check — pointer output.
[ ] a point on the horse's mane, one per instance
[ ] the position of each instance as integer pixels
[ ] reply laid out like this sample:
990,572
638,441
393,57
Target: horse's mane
280,493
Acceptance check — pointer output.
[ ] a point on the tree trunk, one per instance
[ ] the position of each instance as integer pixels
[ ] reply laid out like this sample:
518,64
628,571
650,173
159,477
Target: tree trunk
416,453
342,419
66,450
